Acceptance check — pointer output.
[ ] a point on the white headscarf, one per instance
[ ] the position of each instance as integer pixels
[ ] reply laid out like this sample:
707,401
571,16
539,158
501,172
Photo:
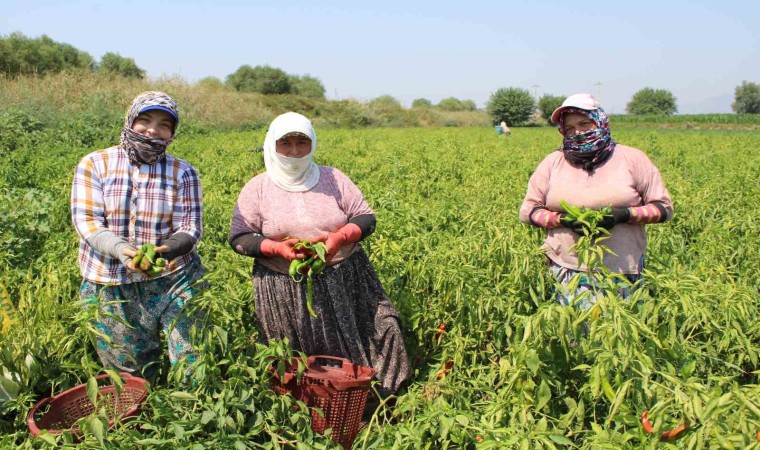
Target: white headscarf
291,174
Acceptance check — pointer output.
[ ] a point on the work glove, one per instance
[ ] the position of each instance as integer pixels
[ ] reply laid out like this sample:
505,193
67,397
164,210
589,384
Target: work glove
576,227
619,215
349,234
283,249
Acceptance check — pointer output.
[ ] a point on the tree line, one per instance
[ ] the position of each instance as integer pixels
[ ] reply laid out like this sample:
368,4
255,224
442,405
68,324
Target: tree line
516,106
21,55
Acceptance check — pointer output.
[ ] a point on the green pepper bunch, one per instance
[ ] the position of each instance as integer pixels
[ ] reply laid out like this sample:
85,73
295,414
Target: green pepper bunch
311,265
586,217
145,259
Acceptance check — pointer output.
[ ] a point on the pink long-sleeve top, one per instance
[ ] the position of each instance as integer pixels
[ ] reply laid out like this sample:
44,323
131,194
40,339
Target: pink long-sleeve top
627,179
265,209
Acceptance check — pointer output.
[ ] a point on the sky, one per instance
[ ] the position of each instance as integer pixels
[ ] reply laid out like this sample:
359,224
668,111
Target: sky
698,50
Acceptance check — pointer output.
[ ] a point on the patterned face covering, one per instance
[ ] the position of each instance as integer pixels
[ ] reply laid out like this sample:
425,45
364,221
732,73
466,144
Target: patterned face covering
142,149
591,148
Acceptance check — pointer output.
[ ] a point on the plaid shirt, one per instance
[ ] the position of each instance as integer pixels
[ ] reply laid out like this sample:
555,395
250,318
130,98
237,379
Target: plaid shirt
145,203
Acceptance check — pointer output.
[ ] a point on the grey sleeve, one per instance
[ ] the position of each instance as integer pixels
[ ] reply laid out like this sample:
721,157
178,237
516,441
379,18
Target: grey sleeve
179,244
107,243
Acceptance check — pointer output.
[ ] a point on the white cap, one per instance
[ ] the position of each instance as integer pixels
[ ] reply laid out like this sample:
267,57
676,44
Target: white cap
580,101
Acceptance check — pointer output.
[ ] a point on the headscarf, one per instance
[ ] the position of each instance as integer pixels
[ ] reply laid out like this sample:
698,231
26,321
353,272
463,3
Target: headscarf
291,174
142,149
591,148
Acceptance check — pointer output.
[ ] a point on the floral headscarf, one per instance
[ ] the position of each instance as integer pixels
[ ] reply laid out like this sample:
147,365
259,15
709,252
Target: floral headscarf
591,148
142,149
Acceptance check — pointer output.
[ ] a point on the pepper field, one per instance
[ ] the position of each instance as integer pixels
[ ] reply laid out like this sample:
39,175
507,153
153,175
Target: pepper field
449,250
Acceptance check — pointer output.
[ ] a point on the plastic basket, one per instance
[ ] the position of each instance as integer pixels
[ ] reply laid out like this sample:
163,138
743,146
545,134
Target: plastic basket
66,408
336,386
498,129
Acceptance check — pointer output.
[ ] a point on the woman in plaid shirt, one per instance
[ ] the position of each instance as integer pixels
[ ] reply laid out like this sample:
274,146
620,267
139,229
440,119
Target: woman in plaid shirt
125,196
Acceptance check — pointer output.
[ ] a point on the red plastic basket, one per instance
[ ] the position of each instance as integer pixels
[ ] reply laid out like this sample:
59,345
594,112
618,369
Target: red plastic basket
66,408
336,386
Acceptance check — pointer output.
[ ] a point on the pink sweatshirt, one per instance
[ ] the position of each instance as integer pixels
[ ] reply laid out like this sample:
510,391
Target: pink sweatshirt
265,209
627,179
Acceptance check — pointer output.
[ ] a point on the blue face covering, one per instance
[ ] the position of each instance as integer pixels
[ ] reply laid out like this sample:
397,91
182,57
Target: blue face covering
591,148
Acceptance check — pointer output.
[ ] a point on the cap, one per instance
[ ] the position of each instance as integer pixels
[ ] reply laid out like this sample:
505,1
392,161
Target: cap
580,101
161,108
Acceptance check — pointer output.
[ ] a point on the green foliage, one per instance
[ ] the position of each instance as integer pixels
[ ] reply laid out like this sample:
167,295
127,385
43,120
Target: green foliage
261,79
512,105
212,83
747,98
454,104
20,55
547,104
17,129
113,64
421,103
652,101
307,86
526,372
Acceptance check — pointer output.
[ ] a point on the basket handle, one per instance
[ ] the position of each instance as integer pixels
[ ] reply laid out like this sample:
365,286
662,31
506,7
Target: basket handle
30,420
314,358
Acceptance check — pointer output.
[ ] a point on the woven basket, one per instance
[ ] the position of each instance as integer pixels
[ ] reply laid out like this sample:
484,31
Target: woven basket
66,408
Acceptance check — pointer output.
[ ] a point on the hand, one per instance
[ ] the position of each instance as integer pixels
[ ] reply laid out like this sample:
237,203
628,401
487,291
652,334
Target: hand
575,226
129,265
283,249
348,234
619,215
334,242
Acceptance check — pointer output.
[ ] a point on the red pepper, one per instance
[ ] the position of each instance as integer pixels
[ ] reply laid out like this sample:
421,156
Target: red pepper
645,421
675,433
441,330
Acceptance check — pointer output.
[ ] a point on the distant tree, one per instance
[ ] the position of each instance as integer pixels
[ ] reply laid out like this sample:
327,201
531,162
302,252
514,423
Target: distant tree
307,86
747,98
469,105
20,55
512,105
547,104
652,101
421,103
385,103
115,64
211,83
450,104
262,79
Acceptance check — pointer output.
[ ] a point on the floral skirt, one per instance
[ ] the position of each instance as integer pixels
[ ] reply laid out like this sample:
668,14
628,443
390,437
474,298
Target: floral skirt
355,318
565,275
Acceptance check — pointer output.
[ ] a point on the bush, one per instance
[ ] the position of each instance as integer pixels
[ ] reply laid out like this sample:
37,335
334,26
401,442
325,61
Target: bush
421,103
547,104
747,98
454,104
114,64
652,101
261,79
512,105
20,55
307,86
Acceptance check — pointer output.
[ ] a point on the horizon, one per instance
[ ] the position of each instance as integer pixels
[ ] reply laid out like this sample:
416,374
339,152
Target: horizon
411,51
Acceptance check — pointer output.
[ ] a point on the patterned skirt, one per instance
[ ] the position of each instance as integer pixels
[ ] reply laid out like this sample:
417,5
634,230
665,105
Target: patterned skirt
355,318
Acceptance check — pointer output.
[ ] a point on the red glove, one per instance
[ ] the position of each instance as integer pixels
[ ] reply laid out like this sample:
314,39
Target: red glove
349,234
283,249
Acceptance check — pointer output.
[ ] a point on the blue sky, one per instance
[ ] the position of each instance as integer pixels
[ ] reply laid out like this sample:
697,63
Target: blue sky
698,50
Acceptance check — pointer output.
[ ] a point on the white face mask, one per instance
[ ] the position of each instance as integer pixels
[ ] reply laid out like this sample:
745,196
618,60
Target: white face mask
291,174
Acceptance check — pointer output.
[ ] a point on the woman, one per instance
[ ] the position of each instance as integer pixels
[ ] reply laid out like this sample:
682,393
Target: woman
592,170
126,196
297,199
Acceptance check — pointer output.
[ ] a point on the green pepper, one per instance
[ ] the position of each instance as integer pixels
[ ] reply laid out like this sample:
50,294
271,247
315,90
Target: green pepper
136,259
149,254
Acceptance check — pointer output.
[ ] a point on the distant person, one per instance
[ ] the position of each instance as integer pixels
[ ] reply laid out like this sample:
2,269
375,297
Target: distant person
125,196
505,129
296,199
592,170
